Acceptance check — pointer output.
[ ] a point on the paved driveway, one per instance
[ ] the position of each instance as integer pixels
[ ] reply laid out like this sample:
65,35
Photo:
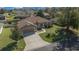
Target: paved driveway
35,43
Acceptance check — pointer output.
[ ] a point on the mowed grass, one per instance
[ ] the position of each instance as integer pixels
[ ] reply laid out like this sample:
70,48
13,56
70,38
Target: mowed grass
5,39
20,45
51,30
9,17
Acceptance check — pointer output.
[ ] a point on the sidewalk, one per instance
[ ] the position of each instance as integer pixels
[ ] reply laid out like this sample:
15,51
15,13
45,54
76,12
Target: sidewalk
1,28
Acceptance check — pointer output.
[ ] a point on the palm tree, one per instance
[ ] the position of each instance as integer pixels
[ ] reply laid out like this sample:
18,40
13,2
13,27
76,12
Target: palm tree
69,18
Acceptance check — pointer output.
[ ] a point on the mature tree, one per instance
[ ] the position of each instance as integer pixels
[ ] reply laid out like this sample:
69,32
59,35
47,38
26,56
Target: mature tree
52,11
1,11
47,10
40,13
69,18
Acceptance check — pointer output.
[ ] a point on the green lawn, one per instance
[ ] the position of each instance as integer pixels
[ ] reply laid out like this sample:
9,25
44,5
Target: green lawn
51,30
5,39
21,45
9,17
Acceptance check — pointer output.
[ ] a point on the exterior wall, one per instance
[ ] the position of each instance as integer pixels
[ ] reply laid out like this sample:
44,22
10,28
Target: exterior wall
39,26
44,25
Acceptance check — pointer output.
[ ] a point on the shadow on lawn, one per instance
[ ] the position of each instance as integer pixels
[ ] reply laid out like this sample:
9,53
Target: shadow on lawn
66,41
9,47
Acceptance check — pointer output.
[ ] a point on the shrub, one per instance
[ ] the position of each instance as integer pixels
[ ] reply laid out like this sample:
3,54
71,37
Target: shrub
16,34
48,35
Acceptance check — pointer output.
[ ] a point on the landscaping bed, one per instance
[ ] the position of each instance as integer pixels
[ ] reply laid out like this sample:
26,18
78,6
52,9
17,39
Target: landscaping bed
50,33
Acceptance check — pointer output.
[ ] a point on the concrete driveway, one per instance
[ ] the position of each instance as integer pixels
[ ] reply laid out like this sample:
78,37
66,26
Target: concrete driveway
35,43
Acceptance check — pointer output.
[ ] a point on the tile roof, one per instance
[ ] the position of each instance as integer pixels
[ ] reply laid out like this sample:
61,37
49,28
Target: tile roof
31,21
35,19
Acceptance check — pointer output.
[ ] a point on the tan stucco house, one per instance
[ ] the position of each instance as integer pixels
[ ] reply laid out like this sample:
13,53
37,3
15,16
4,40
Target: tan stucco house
33,23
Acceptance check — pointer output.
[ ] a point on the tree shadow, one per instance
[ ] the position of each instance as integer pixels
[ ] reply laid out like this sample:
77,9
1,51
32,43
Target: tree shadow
9,47
67,40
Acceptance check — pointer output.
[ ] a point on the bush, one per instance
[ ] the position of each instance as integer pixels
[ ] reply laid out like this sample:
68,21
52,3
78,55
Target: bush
48,35
40,13
9,22
6,26
16,34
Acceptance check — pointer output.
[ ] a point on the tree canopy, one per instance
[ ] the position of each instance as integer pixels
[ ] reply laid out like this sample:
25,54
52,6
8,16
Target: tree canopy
40,13
69,17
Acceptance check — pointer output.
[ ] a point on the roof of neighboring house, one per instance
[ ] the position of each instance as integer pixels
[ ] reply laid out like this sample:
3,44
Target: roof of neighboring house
46,14
1,15
20,13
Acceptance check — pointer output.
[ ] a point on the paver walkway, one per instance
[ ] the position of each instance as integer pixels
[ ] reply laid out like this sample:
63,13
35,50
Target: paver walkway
1,28
35,43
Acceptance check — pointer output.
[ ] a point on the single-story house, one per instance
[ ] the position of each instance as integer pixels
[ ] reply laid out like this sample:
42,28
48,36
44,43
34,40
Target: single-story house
33,23
2,18
20,15
46,15
39,21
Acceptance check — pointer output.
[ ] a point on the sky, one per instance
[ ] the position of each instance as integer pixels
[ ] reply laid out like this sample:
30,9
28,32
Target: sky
8,8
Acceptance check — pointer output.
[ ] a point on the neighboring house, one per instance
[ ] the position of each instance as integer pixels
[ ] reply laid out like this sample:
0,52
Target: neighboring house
20,15
1,11
46,15
33,23
2,18
54,20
